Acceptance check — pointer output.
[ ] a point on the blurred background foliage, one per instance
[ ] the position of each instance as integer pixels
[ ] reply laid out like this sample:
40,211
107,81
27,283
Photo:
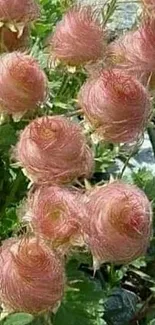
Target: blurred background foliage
114,295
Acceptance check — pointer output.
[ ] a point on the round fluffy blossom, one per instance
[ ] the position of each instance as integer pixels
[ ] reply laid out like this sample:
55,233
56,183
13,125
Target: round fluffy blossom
118,226
9,41
53,150
55,215
17,11
135,51
23,85
31,276
79,37
116,104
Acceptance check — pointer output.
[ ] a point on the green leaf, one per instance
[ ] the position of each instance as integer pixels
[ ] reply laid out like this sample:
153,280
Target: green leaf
120,307
18,319
7,136
82,303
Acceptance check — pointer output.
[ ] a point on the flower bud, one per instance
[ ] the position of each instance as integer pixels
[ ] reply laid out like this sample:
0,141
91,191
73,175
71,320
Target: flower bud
31,276
55,215
78,38
17,11
116,104
9,41
53,150
23,85
119,224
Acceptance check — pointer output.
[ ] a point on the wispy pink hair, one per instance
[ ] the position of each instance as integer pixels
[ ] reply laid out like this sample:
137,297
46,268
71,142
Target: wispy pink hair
54,150
116,104
78,37
55,214
31,276
118,226
135,51
149,5
18,10
23,84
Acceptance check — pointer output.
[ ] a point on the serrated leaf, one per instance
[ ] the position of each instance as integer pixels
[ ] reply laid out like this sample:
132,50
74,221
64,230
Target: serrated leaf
120,307
18,319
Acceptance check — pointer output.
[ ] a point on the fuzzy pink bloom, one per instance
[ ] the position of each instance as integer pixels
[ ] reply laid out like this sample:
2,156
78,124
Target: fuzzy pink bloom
23,85
135,51
9,41
54,150
116,104
55,215
118,227
149,4
79,37
18,11
31,276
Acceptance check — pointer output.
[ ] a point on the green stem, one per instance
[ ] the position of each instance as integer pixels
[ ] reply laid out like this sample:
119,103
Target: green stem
12,193
125,165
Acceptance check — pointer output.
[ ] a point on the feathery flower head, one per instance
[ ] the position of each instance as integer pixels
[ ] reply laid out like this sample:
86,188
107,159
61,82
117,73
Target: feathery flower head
17,11
31,276
119,225
116,104
53,150
135,51
79,37
23,85
55,215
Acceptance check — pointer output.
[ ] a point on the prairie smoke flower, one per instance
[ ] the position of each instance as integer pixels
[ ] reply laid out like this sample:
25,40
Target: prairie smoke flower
135,51
118,226
17,11
9,41
31,276
78,38
116,104
23,85
55,215
53,150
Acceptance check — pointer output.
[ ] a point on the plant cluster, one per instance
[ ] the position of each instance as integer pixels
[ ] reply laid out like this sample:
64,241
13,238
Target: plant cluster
55,152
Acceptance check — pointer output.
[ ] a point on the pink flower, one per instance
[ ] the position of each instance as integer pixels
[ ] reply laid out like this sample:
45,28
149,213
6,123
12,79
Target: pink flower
9,41
118,225
79,37
135,51
16,11
116,104
55,215
23,85
53,150
149,5
31,276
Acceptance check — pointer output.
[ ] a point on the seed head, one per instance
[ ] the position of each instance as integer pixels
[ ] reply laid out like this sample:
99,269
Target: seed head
31,276
116,104
118,226
78,38
53,150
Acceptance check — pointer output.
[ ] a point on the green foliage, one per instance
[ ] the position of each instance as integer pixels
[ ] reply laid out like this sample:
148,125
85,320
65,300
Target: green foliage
83,301
18,319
